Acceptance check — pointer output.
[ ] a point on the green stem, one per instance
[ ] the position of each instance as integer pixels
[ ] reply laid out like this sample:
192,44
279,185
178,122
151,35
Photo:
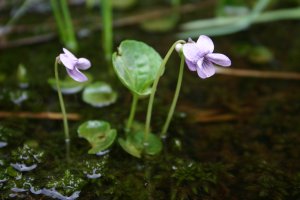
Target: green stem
63,110
132,111
71,40
154,87
175,98
107,28
59,20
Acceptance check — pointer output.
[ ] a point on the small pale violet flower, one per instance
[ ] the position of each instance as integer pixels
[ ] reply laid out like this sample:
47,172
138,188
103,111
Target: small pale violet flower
199,57
73,65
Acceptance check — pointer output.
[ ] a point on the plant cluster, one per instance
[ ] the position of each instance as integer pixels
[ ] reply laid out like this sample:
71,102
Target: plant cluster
139,67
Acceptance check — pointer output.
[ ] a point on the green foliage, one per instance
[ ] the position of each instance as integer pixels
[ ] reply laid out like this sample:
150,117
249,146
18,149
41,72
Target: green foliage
196,179
98,134
10,178
64,23
135,145
95,167
99,94
136,65
26,155
265,181
66,185
22,76
70,86
124,4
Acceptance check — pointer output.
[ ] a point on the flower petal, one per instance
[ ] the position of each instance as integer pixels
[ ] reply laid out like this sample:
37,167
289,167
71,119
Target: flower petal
69,54
77,75
191,65
219,59
205,45
190,52
66,61
83,63
205,68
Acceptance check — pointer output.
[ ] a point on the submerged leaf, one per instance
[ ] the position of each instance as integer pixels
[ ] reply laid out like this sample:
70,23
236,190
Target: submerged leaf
18,96
130,147
68,85
160,25
135,145
136,65
99,94
98,134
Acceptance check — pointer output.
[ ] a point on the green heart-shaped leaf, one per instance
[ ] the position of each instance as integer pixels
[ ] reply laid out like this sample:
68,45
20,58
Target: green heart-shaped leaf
98,134
68,85
136,65
99,94
135,145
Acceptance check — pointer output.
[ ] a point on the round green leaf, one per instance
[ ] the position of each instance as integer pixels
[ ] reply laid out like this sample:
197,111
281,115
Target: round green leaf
135,144
68,85
98,134
99,94
136,65
130,147
153,145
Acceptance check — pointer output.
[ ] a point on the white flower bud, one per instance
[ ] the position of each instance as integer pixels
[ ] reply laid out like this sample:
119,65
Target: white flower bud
178,47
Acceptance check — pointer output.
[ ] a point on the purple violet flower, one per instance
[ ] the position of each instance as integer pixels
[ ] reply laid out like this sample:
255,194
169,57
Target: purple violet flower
73,65
199,57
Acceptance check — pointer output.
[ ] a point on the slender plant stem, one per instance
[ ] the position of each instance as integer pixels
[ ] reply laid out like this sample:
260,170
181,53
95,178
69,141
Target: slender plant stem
59,20
175,98
107,28
63,110
154,87
71,43
135,99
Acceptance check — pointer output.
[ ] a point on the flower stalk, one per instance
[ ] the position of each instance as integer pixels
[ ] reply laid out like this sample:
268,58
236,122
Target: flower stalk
175,98
63,110
154,87
73,66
